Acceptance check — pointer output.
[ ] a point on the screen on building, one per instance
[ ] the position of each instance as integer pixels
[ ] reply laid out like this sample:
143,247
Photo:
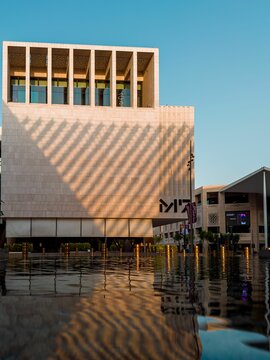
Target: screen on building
237,221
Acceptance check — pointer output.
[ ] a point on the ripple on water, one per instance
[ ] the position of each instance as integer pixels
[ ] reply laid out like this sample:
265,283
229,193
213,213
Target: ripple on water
135,308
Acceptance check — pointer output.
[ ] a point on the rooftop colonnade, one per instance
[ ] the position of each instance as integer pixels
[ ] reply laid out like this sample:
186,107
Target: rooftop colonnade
80,75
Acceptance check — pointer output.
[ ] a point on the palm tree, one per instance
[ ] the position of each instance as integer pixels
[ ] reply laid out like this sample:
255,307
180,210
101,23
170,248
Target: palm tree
157,239
204,240
178,237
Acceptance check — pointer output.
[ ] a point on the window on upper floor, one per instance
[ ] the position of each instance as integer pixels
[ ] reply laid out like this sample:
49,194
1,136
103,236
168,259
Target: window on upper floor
59,91
198,199
102,93
236,198
81,92
103,73
123,93
139,94
60,76
145,78
17,89
124,63
17,74
38,91
81,76
39,75
212,198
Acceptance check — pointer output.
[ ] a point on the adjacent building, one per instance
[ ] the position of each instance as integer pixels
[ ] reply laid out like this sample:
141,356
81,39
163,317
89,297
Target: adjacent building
88,152
241,207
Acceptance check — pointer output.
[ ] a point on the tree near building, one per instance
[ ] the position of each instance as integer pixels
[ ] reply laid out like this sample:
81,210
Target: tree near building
177,238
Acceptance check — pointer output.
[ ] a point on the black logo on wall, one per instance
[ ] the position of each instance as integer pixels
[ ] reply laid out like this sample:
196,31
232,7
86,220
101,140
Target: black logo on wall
174,206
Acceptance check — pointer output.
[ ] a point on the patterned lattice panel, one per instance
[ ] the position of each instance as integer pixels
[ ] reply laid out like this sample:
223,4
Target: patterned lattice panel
213,219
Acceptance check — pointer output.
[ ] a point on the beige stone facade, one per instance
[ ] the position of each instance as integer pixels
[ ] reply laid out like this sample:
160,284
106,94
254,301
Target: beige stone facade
216,211
214,215
86,170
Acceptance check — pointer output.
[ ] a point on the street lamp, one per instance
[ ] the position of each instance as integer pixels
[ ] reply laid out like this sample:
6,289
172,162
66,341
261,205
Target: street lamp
190,166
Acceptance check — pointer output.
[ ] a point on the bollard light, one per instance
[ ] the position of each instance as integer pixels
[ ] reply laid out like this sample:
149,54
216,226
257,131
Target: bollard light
222,252
25,250
67,249
104,250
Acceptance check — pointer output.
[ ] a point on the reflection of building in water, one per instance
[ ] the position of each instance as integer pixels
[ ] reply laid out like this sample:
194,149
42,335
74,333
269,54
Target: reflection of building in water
88,150
3,266
213,293
209,291
143,305
133,321
116,314
179,300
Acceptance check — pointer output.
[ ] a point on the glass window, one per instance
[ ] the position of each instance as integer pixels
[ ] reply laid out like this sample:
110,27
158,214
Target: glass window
139,94
198,199
261,229
102,93
17,89
213,229
123,93
212,198
236,198
59,91
81,92
38,91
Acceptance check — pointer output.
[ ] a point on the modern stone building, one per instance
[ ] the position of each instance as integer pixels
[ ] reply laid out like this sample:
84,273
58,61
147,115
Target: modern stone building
241,207
87,151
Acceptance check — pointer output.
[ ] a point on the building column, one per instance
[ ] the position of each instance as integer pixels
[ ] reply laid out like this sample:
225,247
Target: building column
27,75
222,213
49,76
258,206
156,79
92,79
70,77
253,221
113,78
134,80
204,210
265,220
6,81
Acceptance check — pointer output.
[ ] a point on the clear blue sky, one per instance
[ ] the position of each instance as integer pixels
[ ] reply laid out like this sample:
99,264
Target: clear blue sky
214,54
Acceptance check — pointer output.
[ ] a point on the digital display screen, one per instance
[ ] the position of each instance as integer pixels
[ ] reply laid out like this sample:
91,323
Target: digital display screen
237,218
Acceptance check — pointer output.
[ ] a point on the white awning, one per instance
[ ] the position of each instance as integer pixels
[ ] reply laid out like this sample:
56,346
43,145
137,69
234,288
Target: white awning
252,183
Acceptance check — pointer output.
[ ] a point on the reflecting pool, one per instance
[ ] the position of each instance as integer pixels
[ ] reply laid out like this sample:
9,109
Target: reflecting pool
134,307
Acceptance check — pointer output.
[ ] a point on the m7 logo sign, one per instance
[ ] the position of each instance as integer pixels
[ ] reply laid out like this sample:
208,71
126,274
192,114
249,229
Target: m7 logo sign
174,206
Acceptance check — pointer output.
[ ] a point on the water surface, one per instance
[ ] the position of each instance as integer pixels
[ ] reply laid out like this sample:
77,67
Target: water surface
148,307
